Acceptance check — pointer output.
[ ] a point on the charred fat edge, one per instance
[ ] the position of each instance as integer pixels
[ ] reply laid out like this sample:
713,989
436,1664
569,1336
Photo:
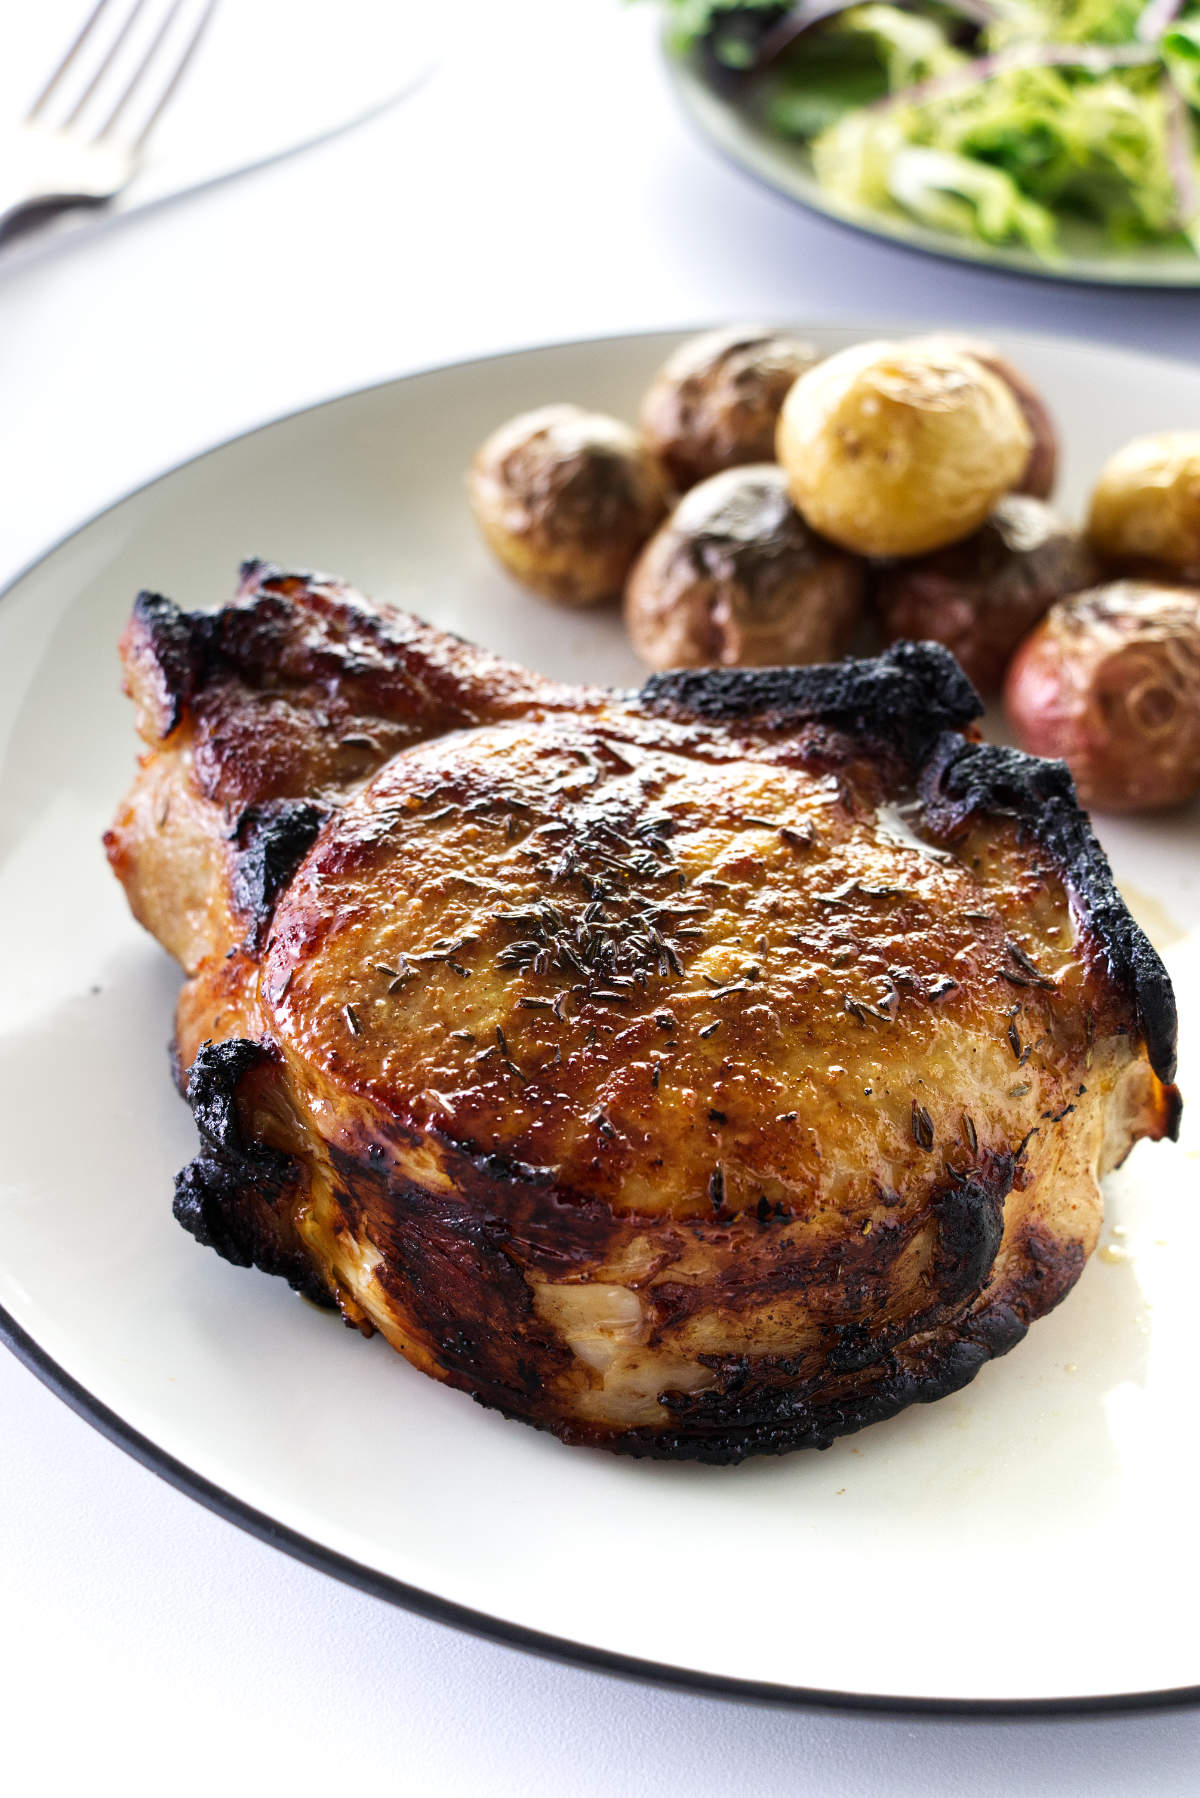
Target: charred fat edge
962,780
236,1196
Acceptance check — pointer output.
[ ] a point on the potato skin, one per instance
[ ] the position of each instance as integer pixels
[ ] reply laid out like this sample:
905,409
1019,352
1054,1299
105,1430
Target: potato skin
1041,470
735,578
565,499
1110,681
981,596
714,404
1146,504
894,449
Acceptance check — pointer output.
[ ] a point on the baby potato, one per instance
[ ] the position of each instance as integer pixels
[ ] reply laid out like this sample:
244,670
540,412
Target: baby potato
1146,505
980,596
735,578
565,499
1041,470
894,449
715,402
1110,681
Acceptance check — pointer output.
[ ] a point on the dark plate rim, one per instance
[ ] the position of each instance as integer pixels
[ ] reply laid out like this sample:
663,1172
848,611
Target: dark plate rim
232,1509
682,70
514,1635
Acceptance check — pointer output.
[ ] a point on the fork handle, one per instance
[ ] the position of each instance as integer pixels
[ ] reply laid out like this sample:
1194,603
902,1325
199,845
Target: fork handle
44,174
27,214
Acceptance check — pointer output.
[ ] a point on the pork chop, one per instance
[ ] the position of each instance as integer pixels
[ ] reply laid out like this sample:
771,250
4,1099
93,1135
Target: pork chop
697,1072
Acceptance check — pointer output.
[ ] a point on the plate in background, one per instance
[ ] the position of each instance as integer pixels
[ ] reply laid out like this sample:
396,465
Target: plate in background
787,168
1026,1542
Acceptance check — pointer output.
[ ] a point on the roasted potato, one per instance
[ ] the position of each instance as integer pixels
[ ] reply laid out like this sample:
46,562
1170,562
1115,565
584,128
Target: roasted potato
736,578
980,596
893,449
1041,470
1146,505
715,402
565,500
1110,681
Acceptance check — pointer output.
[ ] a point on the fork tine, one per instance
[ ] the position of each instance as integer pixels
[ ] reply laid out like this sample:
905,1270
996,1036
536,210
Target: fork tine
147,63
72,52
114,51
181,68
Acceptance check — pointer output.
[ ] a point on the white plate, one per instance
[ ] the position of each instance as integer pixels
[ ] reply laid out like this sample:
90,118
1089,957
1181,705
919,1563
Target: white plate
1030,1540
786,166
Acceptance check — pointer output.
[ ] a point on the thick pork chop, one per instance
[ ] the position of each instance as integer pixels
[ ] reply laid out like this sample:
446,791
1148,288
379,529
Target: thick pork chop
698,1072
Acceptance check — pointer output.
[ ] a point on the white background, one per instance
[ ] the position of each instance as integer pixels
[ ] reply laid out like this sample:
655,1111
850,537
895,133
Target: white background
538,186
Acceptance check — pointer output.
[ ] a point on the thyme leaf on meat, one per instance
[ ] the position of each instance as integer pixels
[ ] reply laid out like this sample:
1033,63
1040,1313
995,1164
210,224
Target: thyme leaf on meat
922,1126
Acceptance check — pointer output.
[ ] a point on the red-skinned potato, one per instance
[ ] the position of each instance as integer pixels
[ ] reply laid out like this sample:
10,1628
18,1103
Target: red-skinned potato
565,499
981,596
1041,470
735,578
715,402
1110,681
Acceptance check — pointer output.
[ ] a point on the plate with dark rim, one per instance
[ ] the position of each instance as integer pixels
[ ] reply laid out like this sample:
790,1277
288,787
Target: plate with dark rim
738,134
1025,1544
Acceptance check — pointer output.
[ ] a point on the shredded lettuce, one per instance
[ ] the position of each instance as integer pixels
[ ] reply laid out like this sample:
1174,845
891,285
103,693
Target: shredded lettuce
1064,22
1060,138
1073,142
909,47
863,54
987,121
1181,53
871,162
955,194
820,95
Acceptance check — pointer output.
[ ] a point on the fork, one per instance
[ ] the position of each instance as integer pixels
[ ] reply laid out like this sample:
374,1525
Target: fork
52,167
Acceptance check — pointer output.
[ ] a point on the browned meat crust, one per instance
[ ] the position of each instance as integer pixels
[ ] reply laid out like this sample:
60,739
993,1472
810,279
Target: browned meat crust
706,1071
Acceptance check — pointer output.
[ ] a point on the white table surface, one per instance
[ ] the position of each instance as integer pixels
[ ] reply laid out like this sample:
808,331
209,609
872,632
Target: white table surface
539,186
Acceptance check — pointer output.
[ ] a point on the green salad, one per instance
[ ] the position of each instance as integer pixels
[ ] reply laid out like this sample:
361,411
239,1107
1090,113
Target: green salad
994,120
